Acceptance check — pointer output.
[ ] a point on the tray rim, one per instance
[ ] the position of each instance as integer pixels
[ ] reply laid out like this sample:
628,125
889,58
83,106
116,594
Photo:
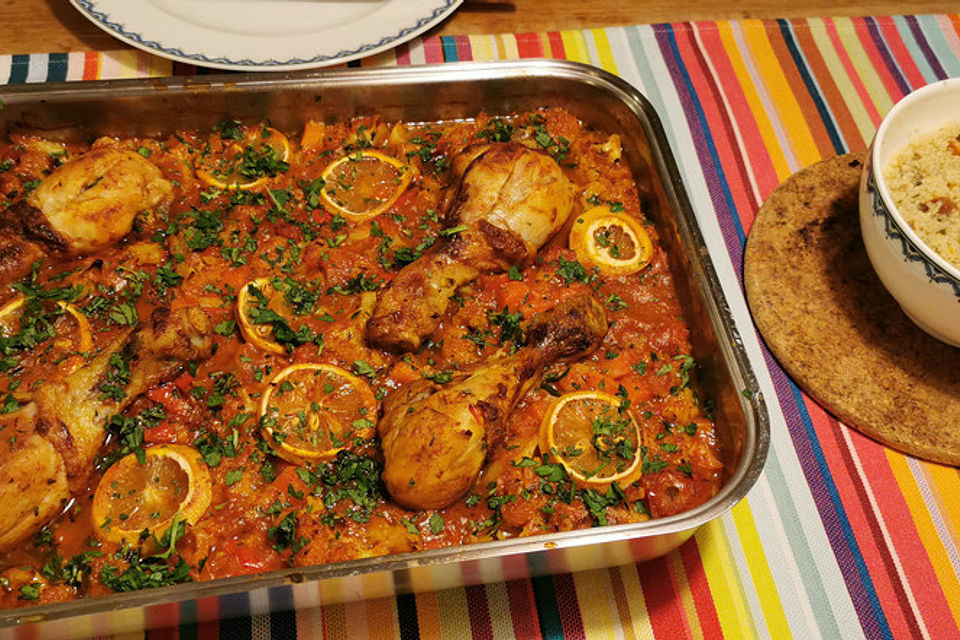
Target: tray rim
757,428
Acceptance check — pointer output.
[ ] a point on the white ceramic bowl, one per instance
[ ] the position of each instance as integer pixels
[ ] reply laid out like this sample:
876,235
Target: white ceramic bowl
924,284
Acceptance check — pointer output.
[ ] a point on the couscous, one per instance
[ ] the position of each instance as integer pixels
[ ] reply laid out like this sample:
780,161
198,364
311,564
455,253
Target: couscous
924,182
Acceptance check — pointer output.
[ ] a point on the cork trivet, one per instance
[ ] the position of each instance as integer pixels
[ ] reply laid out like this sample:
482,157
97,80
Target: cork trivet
827,318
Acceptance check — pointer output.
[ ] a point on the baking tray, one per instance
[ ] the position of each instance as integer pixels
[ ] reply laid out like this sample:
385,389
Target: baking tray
429,93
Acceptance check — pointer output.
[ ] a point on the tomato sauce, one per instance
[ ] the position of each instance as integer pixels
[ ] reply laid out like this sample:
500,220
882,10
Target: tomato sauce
266,512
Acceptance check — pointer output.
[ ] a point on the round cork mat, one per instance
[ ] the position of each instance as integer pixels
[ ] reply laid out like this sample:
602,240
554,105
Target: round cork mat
827,318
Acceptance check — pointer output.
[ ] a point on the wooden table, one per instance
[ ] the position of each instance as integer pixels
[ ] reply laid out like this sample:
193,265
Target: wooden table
32,26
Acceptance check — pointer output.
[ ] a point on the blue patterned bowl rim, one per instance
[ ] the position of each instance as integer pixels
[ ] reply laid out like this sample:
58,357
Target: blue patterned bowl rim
912,249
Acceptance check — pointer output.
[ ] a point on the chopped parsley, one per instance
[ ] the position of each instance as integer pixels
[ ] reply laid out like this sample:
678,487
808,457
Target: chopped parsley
443,377
558,147
214,448
496,130
357,284
226,328
283,334
166,278
428,153
232,477
127,433
361,368
204,230
353,479
30,591
117,377
285,535
152,571
10,404
229,129
124,313
510,326
573,271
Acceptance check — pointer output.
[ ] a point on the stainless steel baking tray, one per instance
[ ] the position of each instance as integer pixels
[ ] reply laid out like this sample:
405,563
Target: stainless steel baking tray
446,92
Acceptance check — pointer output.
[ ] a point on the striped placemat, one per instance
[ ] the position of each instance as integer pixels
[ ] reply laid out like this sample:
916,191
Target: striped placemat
840,538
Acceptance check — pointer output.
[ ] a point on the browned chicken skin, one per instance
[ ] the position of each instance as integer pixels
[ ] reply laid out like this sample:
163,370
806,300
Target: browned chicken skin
510,199
434,436
61,429
85,205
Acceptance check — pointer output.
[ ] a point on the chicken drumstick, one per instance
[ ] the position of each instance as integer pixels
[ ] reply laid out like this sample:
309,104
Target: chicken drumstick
510,200
434,436
58,433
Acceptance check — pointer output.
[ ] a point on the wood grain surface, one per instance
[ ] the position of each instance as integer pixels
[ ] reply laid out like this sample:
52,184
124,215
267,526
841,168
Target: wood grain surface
40,26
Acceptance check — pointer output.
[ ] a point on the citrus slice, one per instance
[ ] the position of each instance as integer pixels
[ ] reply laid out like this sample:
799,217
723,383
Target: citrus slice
256,297
84,339
260,153
613,241
10,321
364,184
589,434
10,314
311,411
133,496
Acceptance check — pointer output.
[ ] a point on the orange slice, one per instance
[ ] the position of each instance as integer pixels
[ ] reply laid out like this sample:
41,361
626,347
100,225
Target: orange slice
131,497
364,184
614,242
595,441
252,297
261,154
311,411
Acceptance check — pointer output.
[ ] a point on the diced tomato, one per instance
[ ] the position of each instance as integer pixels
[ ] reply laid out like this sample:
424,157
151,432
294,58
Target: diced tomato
184,381
167,395
313,133
620,366
403,373
512,293
165,432
289,477
238,558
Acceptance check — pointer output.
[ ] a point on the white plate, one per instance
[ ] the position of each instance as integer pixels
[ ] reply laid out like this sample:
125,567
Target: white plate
265,35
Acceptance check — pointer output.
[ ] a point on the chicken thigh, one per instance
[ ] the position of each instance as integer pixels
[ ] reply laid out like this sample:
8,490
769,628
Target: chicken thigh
85,205
434,436
58,433
509,201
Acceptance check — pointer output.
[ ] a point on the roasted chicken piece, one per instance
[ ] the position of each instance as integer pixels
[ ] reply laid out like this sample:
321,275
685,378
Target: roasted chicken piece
33,484
85,205
434,436
59,432
509,200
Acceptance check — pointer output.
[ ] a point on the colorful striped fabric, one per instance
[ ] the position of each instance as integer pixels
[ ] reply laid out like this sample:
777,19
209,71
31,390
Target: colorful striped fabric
840,538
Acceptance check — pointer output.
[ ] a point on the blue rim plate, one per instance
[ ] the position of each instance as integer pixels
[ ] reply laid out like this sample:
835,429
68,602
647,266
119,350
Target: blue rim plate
265,35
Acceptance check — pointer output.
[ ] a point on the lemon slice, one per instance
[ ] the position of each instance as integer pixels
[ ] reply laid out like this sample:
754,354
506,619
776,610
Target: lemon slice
251,297
84,339
10,315
591,437
614,242
10,320
248,163
131,497
311,411
364,184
